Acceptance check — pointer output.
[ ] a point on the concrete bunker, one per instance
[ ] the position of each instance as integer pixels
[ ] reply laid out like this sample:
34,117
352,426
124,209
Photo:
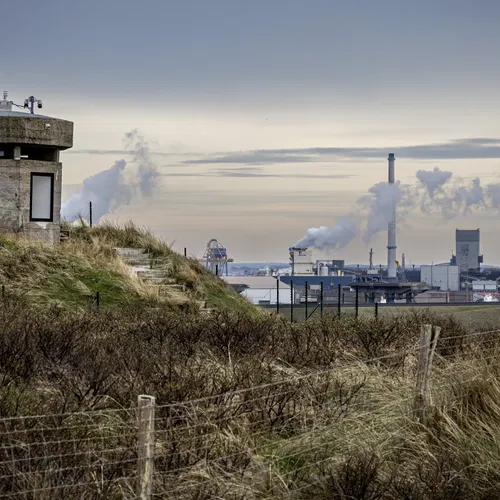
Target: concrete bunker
31,173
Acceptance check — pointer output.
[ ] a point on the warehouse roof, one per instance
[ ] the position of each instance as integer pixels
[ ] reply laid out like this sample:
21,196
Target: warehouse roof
267,282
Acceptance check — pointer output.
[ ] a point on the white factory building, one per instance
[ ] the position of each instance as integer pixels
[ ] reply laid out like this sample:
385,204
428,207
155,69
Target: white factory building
301,261
444,277
261,290
484,286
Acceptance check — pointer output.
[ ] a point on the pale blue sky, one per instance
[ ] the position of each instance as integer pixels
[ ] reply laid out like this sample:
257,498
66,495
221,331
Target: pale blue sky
263,85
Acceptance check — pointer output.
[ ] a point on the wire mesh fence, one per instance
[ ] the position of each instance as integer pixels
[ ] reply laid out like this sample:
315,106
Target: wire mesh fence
68,455
259,440
184,447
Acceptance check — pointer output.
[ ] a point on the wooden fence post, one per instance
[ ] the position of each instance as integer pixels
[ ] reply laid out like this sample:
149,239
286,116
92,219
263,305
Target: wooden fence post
436,330
145,464
428,341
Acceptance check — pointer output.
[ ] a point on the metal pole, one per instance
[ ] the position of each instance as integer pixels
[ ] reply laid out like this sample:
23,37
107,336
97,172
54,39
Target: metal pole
145,462
277,295
3,291
306,299
216,269
291,301
90,213
357,301
185,252
321,298
97,300
376,310
339,298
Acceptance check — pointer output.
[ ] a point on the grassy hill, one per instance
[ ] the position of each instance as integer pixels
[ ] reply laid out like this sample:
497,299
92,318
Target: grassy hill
249,406
70,274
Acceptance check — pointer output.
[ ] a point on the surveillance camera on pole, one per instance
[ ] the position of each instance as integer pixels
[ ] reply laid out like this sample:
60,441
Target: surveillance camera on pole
29,103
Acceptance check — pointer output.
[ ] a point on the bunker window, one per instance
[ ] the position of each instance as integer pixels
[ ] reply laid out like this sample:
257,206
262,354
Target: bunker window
42,197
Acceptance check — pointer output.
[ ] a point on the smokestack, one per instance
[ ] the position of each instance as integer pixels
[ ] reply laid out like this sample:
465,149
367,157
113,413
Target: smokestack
391,234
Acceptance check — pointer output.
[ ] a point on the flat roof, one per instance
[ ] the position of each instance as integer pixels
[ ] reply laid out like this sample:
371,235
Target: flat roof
4,112
255,281
467,235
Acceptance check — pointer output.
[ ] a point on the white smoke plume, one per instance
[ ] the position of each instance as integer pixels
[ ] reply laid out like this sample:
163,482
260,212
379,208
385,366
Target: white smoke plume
329,238
117,186
454,198
468,198
440,192
433,180
147,174
106,190
381,202
379,205
493,193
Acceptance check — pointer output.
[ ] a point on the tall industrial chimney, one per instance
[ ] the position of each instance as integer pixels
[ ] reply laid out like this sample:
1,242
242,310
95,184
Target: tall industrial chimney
391,235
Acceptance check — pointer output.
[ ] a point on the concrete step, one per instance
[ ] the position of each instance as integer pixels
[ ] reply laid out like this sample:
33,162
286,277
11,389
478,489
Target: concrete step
160,280
147,263
164,289
138,261
130,252
153,273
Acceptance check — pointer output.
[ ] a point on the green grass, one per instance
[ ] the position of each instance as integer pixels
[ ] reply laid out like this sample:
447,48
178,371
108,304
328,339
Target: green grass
474,316
52,275
70,274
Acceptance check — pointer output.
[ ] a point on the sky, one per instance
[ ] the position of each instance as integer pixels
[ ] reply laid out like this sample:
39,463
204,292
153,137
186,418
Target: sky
269,117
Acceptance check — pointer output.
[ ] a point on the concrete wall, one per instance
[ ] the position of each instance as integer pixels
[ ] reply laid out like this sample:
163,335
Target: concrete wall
444,277
36,140
431,297
15,182
36,130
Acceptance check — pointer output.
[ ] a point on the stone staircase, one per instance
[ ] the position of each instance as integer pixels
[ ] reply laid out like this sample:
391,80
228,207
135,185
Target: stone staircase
156,273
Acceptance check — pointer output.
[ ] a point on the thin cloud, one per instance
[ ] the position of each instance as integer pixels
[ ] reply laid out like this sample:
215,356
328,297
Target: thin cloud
249,173
468,148
112,152
255,158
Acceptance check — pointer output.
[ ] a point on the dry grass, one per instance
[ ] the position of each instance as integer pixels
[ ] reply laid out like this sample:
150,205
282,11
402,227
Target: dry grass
69,275
327,414
250,406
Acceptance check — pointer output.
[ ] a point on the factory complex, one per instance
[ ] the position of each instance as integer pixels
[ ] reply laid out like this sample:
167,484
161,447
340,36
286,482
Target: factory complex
459,280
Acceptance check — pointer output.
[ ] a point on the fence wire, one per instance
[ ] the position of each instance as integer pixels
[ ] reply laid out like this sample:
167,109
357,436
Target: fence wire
217,446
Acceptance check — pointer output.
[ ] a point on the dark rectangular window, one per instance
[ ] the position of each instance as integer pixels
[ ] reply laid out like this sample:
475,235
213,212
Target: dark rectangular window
42,197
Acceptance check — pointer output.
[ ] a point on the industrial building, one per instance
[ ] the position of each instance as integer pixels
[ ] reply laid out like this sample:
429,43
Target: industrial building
260,290
442,277
484,286
330,282
30,171
468,256
301,261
